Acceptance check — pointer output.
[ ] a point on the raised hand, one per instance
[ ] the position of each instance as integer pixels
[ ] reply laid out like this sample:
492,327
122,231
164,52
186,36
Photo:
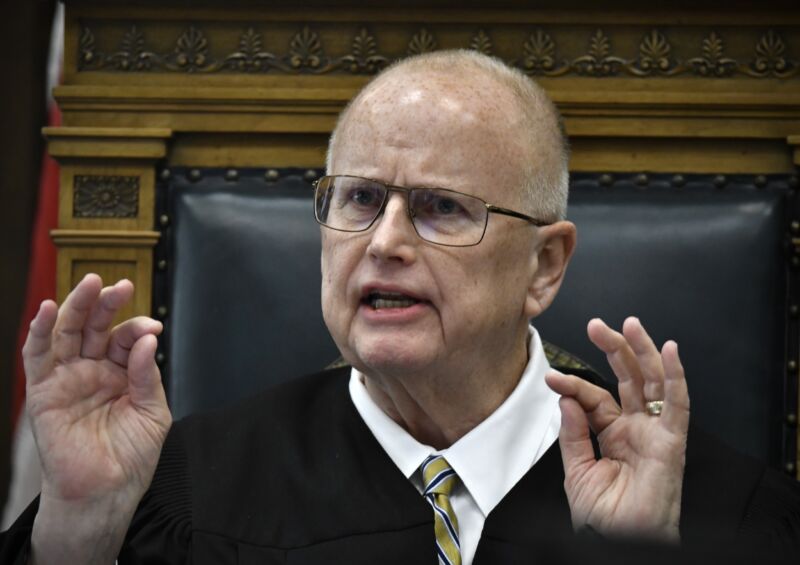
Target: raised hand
98,410
635,487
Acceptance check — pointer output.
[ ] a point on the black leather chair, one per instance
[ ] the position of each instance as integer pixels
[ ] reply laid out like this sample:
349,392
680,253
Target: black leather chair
700,259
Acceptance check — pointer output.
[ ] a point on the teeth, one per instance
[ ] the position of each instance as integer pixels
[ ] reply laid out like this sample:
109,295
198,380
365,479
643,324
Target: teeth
390,300
379,303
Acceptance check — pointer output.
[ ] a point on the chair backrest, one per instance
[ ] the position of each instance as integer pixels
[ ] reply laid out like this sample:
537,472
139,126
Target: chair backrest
242,287
701,264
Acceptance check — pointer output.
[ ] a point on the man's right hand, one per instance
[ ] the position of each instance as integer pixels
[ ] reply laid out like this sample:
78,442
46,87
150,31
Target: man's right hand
100,417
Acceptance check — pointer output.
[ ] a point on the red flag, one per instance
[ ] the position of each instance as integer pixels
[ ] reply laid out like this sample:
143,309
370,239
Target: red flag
42,266
25,467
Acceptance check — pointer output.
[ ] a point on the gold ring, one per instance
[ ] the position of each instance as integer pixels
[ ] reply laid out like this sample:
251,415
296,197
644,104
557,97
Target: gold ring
654,407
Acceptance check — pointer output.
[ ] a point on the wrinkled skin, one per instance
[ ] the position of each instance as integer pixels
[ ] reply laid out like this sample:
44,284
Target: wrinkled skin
428,367
99,416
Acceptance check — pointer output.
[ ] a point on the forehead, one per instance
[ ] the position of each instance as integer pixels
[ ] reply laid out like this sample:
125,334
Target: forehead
433,129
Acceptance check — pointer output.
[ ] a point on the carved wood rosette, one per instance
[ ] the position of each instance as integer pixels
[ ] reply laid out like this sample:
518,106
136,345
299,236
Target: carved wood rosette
107,178
104,196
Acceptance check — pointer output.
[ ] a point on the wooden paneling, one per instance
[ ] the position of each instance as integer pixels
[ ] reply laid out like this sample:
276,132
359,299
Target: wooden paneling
111,255
106,205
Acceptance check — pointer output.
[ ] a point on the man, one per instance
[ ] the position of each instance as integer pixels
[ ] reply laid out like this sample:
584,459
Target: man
443,235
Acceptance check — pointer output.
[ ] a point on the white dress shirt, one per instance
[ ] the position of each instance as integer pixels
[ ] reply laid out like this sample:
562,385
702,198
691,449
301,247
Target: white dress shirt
491,458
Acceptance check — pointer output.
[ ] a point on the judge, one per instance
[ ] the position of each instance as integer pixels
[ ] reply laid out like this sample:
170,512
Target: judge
448,437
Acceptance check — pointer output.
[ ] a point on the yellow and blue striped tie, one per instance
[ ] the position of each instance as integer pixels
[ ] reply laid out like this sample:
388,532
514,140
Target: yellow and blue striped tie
439,480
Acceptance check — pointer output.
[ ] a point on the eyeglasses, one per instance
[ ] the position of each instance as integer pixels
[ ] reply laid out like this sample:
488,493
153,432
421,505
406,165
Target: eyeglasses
439,215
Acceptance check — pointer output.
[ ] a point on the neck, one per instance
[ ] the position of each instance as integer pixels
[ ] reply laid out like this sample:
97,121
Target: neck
441,405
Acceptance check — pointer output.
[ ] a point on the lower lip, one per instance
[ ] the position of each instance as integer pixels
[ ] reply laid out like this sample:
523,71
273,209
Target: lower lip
398,315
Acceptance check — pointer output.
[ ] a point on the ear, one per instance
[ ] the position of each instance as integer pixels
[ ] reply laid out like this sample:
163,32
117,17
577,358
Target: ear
556,244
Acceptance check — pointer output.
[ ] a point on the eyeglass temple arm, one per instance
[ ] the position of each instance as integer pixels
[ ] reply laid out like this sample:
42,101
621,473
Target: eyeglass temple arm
521,216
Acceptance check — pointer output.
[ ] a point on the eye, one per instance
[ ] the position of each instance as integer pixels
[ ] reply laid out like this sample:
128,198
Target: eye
363,197
446,206
443,206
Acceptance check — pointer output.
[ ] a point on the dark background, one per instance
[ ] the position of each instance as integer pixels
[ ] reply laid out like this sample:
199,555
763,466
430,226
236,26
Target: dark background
24,38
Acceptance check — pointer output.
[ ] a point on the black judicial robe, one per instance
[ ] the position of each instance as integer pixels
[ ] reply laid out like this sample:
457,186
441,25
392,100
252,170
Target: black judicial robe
295,476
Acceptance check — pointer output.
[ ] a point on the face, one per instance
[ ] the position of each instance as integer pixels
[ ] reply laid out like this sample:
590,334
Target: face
395,303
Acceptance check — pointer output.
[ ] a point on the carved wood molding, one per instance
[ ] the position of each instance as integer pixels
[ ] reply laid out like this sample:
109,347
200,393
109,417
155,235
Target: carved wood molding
105,196
554,51
104,238
107,142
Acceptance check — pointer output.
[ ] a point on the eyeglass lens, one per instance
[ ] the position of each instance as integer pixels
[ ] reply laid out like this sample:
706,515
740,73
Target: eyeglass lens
438,215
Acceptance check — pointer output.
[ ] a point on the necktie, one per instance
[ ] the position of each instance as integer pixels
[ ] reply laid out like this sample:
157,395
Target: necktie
439,480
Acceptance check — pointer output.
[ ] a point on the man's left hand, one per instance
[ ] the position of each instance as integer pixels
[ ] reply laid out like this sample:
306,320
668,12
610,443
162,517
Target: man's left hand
635,487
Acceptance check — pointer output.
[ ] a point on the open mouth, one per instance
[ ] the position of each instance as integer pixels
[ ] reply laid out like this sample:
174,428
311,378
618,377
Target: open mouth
381,300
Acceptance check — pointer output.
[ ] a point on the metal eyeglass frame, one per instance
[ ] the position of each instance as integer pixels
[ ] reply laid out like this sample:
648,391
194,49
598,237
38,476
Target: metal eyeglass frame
490,208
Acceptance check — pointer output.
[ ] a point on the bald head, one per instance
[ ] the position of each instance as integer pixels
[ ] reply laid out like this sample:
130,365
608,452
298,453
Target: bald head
490,108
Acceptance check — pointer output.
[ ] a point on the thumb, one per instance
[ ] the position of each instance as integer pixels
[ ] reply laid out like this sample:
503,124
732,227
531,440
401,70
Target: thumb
574,440
144,378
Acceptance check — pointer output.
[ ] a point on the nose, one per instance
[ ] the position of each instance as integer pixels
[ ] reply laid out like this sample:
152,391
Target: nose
393,236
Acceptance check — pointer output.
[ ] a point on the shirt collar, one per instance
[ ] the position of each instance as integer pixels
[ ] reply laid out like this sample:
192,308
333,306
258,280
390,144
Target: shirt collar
494,455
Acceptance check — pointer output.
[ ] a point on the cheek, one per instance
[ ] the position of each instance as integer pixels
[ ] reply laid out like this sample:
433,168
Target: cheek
491,286
329,267
338,263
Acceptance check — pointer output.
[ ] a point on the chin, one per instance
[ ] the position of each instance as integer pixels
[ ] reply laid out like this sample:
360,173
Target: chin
394,358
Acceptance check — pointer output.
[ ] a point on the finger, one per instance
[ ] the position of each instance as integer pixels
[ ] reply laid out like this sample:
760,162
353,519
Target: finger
599,407
648,357
68,330
574,440
623,362
675,414
144,378
36,350
98,323
126,334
